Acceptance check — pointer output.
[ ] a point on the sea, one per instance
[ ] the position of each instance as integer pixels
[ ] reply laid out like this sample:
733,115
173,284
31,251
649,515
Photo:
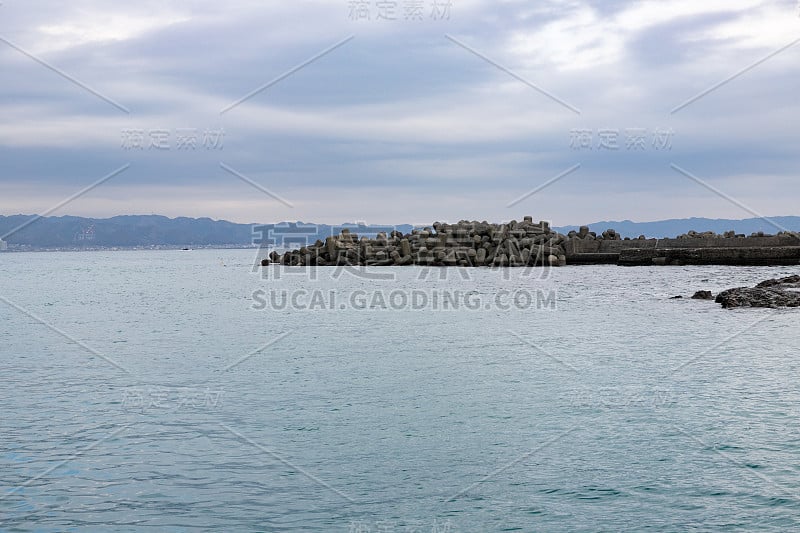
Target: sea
196,391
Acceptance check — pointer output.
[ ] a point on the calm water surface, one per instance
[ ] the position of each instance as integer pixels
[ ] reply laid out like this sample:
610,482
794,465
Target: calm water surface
149,391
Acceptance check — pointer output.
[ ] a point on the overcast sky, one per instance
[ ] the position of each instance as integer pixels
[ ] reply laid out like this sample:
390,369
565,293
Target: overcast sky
367,113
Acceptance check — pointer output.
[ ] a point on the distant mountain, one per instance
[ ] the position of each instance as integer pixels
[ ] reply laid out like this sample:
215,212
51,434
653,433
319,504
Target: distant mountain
154,230
674,227
121,231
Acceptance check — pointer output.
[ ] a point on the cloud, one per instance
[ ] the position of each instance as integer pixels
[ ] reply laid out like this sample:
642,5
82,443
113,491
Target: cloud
399,112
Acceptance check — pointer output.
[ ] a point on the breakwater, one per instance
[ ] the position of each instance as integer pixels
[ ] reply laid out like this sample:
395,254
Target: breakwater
698,249
529,243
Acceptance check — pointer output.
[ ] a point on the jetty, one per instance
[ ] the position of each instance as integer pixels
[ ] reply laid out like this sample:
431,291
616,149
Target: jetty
529,243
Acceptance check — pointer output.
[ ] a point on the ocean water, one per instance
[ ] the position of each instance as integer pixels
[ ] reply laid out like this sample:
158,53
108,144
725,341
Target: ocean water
176,391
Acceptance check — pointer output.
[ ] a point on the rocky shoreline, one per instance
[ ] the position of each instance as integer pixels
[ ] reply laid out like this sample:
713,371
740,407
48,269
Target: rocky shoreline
525,243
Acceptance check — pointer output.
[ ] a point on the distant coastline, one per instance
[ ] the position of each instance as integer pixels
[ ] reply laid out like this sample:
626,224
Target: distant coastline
154,232
16,248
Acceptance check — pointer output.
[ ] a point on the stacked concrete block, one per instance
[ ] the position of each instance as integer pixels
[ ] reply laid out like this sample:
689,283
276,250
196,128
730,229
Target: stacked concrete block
467,243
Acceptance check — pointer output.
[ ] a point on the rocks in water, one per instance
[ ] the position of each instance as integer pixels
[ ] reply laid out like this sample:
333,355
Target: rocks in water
756,297
789,282
771,293
703,295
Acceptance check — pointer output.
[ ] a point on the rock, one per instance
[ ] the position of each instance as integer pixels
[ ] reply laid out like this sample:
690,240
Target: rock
676,297
330,247
552,250
757,297
491,252
703,295
425,256
610,235
787,282
480,257
771,293
405,247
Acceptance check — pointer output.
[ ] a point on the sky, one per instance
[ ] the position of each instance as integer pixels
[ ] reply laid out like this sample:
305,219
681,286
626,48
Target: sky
404,111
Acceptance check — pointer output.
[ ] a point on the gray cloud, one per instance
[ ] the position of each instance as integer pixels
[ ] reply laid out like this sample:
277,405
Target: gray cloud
399,124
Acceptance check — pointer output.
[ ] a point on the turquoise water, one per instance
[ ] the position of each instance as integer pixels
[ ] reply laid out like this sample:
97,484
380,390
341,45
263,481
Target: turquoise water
162,395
